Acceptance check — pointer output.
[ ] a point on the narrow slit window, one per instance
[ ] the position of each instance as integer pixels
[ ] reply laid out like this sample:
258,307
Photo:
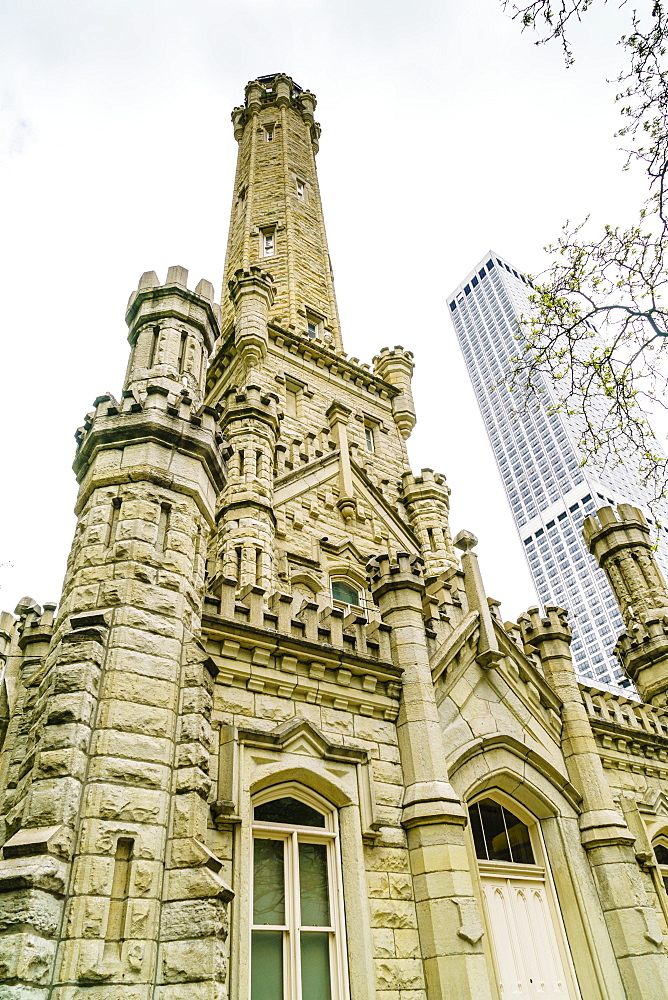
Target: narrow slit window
163,526
238,553
118,904
268,242
154,346
258,567
370,439
182,351
301,188
113,523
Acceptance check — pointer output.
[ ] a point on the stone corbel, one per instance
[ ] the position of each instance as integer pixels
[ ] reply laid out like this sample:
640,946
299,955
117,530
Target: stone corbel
368,812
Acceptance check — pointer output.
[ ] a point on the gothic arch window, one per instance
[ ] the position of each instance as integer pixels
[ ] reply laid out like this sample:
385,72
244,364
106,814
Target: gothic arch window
297,921
528,945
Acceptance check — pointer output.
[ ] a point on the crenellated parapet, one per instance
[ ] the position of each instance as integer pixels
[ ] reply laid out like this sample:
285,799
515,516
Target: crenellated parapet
426,498
172,331
276,91
621,543
396,367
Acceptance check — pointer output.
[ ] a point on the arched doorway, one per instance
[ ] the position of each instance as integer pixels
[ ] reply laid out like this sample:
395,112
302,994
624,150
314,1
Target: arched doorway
527,941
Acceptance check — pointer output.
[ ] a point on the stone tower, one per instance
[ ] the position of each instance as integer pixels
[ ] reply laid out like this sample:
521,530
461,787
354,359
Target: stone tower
276,742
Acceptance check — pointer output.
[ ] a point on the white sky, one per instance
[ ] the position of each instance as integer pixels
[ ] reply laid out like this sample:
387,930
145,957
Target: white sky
445,132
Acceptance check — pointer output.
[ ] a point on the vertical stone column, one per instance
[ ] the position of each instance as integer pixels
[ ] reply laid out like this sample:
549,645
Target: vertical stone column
252,294
396,367
339,418
449,922
246,517
622,546
632,924
428,507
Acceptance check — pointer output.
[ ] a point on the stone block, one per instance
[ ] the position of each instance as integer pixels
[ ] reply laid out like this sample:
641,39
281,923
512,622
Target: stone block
112,743
26,957
54,801
387,859
137,773
407,943
192,991
392,913
145,642
194,918
399,974
436,885
93,875
31,908
76,677
133,688
58,763
70,707
378,884
127,805
131,717
401,886
192,960
383,943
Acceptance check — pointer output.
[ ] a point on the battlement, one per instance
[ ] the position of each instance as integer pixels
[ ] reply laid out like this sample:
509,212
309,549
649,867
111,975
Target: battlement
294,617
392,361
427,484
406,571
552,625
276,89
153,302
606,531
249,401
249,280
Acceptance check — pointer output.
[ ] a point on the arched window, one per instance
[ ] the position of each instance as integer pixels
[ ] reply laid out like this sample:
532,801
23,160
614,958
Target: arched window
297,947
525,931
345,592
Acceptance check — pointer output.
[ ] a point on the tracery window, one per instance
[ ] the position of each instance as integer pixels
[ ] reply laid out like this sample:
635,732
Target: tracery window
661,854
297,945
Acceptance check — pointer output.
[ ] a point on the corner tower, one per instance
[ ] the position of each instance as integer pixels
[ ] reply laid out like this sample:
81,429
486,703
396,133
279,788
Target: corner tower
277,221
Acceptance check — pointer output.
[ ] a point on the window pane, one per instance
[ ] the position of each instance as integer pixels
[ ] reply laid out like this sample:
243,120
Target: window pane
476,830
661,853
495,831
268,882
290,811
518,835
315,967
313,885
344,592
267,965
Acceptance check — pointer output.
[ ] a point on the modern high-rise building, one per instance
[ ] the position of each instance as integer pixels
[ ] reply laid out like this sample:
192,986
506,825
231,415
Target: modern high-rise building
549,491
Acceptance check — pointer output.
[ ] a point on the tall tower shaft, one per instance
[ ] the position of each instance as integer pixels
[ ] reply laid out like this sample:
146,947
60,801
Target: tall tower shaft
276,220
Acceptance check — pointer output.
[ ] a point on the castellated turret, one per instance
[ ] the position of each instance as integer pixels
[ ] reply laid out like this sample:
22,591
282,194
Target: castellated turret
119,716
622,545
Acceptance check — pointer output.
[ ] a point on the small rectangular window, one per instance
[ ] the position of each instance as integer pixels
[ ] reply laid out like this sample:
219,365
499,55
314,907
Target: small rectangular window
269,133
268,242
370,443
301,188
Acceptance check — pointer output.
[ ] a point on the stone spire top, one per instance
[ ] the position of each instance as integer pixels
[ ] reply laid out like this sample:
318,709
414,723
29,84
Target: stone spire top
276,221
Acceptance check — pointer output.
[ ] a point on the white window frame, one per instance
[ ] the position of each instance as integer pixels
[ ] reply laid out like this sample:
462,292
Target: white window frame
292,835
301,189
268,249
270,132
370,438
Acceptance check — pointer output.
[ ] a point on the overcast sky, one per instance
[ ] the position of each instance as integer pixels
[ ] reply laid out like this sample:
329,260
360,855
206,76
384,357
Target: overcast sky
445,132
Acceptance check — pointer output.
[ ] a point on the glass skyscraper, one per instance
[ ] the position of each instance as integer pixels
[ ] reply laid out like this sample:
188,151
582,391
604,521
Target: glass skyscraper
549,493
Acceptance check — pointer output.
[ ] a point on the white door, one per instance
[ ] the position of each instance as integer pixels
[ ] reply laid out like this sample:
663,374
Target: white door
526,939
